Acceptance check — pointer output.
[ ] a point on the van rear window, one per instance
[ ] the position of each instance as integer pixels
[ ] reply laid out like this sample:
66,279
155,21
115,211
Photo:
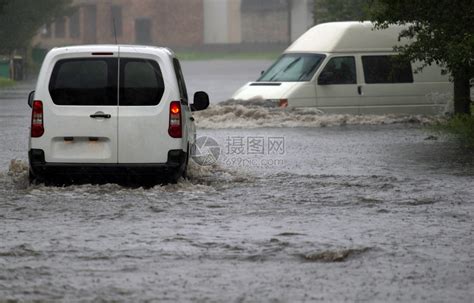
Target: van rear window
93,82
84,82
141,82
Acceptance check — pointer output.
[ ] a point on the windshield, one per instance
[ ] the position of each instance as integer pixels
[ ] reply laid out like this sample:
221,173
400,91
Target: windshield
293,67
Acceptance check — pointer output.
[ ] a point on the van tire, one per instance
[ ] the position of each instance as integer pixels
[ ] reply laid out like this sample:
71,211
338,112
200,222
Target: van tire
31,178
34,179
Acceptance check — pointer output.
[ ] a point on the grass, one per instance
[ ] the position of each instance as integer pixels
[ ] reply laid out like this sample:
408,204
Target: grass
4,82
461,127
233,55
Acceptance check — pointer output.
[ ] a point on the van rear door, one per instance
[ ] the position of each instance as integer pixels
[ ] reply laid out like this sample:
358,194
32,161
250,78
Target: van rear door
81,112
144,109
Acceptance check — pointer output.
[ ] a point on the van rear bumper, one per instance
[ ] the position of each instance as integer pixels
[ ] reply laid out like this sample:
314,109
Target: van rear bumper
107,173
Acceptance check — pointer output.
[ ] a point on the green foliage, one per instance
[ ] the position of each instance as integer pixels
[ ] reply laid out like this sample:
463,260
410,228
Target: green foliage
340,10
443,33
21,19
460,126
2,5
6,82
444,29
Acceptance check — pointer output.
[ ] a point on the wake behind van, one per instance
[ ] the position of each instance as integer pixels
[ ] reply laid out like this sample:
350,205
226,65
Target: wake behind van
349,67
115,113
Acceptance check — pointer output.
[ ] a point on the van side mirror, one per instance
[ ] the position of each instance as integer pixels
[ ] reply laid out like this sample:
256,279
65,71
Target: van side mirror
201,101
31,98
325,78
262,72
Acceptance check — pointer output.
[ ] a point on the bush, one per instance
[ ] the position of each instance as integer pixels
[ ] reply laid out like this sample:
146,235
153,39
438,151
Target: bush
4,82
460,126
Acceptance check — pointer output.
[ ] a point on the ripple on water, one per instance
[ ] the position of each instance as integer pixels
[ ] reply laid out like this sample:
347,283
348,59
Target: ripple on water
337,255
22,250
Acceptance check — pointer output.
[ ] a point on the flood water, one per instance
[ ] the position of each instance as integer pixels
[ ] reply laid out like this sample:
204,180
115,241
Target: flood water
300,207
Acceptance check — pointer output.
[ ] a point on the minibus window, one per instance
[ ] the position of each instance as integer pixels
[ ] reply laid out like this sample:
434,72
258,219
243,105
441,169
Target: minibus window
141,82
386,69
339,70
84,82
293,68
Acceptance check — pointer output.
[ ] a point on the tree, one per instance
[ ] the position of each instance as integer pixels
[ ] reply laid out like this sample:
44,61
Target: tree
442,32
340,10
2,5
21,19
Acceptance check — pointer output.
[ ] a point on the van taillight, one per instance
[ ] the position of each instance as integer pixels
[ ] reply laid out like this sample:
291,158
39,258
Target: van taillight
37,126
175,127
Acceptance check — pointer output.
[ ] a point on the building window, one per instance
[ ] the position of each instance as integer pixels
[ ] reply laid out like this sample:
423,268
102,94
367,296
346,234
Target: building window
46,31
386,69
116,12
60,28
89,26
75,25
143,31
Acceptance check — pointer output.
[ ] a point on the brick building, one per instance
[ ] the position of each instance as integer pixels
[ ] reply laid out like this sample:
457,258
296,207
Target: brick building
179,23
265,21
155,22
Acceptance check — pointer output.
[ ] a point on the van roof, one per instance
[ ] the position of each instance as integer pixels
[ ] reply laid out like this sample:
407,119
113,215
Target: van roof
348,37
111,48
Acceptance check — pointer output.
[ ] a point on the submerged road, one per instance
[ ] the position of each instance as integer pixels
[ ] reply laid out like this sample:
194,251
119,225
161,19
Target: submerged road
380,213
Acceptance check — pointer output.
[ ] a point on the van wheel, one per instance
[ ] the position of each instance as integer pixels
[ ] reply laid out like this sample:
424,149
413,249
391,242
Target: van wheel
34,179
31,178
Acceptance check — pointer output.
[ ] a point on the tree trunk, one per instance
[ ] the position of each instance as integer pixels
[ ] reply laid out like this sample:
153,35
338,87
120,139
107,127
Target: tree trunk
12,65
462,93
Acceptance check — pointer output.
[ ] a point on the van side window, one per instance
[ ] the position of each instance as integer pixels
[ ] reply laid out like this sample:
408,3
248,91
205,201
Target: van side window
181,84
386,69
339,70
84,82
141,82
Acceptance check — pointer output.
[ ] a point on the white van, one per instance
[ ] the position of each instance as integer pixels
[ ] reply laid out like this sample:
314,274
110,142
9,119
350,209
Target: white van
111,113
348,67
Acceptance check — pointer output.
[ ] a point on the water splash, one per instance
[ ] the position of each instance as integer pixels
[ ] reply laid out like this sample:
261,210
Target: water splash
329,256
260,115
200,179
17,174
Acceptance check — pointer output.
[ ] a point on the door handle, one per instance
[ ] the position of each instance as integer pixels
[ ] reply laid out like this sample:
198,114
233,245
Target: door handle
100,115
359,89
192,118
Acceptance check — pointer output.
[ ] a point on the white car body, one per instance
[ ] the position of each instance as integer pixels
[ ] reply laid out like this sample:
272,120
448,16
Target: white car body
117,138
425,92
